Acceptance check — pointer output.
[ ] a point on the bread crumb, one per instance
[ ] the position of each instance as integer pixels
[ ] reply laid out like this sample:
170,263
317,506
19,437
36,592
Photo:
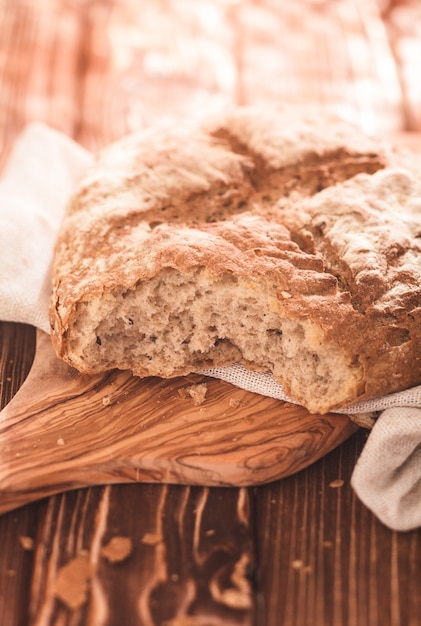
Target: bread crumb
117,549
197,392
60,441
106,400
234,403
27,543
297,564
72,583
337,483
151,539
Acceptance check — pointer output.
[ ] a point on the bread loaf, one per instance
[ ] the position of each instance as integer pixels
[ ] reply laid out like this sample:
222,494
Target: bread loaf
273,240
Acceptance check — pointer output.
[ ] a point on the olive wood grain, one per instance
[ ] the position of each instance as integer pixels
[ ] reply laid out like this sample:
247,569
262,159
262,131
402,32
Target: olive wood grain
64,430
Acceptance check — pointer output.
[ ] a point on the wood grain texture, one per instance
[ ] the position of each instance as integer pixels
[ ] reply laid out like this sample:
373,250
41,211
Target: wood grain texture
16,563
65,430
192,560
100,68
188,565
325,559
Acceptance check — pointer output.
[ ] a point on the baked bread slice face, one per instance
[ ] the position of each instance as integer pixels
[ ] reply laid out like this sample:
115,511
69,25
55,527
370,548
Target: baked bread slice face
174,257
214,295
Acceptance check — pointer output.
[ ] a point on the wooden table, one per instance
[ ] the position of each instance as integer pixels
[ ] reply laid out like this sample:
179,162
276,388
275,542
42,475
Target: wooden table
300,551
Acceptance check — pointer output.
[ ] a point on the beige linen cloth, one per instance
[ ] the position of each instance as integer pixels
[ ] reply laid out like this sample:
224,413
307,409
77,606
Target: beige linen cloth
39,176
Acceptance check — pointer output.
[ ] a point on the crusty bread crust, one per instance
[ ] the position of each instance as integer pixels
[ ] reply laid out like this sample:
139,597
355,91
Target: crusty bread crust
185,249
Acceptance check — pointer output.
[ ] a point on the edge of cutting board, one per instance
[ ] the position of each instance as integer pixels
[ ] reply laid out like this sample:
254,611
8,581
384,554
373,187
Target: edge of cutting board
64,430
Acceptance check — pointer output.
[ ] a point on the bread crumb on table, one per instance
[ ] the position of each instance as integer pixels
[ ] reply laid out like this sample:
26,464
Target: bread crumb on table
117,549
335,484
151,539
72,583
27,543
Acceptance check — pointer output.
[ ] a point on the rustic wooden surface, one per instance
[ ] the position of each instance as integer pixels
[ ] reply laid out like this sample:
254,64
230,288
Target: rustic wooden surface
300,551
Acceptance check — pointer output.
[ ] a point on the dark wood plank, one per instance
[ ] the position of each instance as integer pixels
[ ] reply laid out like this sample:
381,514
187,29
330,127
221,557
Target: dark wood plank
325,559
17,349
17,530
185,562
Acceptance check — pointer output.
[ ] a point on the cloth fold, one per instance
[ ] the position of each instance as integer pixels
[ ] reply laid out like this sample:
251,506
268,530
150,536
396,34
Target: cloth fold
38,178
387,475
35,186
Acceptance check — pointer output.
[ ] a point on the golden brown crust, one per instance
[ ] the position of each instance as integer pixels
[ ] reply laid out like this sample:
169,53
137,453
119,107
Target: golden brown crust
189,176
212,205
368,230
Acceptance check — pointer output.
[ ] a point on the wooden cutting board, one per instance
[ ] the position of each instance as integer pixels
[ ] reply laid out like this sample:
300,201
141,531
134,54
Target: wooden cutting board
65,430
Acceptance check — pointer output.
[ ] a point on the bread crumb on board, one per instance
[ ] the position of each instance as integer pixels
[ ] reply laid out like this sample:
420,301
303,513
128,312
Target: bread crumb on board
197,393
235,403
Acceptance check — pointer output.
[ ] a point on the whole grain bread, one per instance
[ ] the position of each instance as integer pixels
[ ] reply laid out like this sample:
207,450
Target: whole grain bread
276,240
